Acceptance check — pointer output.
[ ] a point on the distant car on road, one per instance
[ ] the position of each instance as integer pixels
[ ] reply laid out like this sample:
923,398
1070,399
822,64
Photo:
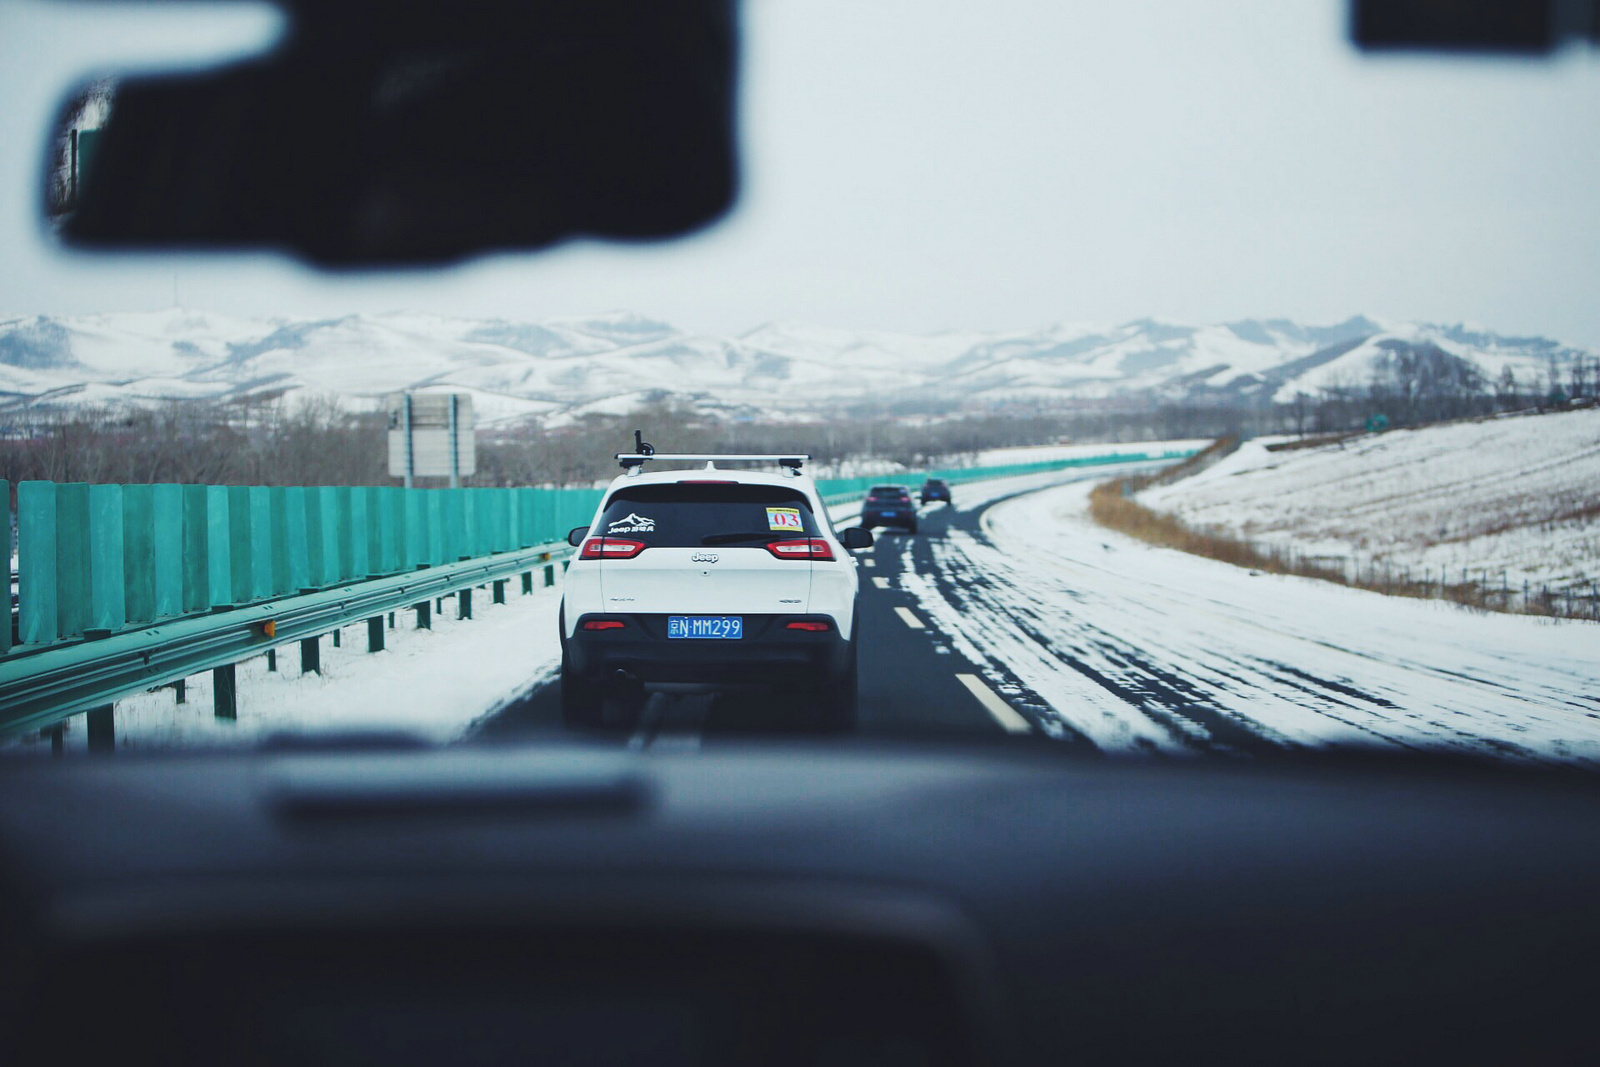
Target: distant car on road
889,505
935,489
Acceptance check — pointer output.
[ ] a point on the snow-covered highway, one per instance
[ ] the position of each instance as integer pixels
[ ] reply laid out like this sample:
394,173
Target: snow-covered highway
1009,612
1013,598
1121,646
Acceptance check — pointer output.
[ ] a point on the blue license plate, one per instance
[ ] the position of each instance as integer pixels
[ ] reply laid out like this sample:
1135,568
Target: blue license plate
711,627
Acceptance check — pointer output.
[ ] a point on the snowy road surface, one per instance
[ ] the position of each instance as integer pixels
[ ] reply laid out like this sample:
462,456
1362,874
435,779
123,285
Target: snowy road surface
1024,616
1127,646
1009,613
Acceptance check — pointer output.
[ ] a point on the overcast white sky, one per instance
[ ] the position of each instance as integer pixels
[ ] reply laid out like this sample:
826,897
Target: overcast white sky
918,165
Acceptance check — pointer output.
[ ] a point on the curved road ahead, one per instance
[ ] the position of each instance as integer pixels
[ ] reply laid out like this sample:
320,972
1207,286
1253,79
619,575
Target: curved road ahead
912,680
1012,612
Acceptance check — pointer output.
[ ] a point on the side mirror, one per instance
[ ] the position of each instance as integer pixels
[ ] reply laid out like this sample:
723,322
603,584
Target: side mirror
576,535
855,537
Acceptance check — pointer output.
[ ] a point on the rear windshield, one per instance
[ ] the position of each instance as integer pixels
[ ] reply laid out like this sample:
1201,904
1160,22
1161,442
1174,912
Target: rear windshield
697,516
888,492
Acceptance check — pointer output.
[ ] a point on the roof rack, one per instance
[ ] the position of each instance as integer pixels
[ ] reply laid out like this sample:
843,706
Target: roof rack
632,462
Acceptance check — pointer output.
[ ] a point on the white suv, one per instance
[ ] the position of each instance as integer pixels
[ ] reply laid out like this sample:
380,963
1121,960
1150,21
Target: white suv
707,577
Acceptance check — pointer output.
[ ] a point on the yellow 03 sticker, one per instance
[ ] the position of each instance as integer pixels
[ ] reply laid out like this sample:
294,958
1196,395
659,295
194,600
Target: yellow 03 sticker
785,519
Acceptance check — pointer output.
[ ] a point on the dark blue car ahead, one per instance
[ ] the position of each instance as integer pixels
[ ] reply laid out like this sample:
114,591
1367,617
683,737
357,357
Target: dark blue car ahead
889,505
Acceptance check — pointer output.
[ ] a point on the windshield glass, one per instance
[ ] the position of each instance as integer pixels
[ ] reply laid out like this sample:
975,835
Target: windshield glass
1172,379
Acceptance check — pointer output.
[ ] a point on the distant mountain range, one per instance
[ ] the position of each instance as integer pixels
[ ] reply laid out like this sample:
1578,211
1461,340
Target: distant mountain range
561,369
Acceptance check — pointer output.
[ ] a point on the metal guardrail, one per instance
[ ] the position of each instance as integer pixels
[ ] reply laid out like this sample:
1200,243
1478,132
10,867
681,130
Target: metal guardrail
39,691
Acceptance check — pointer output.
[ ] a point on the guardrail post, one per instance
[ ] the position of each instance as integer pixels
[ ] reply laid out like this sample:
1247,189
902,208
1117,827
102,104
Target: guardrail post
549,574
464,604
425,615
391,620
336,639
180,691
57,735
272,659
225,692
311,655
527,582
499,591
375,634
102,729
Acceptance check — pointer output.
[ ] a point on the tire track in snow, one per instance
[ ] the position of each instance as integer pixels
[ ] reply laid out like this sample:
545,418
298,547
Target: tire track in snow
1268,656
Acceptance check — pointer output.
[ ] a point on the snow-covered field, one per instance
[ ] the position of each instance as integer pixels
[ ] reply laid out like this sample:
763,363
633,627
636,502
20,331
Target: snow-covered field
1105,639
1518,496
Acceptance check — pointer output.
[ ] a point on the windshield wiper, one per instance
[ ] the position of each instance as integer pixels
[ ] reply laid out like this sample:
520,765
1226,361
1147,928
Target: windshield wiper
729,538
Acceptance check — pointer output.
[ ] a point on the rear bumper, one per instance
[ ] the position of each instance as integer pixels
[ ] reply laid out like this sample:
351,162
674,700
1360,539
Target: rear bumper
898,518
768,653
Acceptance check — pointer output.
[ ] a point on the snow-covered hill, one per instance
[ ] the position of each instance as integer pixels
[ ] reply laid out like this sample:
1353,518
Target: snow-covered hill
562,367
1496,502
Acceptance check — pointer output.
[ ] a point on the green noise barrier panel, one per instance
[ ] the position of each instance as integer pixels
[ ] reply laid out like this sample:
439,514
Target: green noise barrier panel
95,560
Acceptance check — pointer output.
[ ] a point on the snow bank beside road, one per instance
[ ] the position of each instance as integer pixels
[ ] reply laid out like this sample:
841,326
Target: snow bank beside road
1137,645
1518,495
433,683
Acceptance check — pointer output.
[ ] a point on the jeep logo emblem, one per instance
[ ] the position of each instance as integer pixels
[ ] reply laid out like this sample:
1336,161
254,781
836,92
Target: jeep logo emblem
704,557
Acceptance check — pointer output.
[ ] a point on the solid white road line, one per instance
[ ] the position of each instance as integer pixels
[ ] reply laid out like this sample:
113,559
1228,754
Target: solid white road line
870,562
909,619
881,583
1003,713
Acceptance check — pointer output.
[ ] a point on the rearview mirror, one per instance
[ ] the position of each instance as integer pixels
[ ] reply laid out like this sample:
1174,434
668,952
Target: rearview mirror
1532,27
855,537
576,535
384,133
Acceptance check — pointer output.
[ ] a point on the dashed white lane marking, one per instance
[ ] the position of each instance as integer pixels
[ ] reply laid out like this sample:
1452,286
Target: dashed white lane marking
1003,713
881,583
909,619
870,562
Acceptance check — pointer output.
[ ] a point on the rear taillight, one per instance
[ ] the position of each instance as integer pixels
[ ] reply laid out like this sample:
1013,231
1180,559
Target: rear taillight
809,548
604,624
809,627
610,548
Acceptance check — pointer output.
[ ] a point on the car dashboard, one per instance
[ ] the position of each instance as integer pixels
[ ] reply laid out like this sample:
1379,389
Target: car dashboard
803,902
